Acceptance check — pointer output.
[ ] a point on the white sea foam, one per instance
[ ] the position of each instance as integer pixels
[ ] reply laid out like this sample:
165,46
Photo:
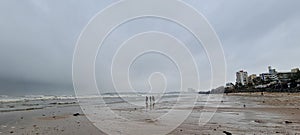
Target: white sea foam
6,99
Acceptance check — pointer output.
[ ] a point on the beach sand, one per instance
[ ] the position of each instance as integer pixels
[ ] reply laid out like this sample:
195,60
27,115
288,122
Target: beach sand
273,113
240,113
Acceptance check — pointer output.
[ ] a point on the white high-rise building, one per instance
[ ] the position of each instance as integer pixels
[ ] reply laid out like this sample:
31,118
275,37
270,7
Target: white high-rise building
270,76
242,77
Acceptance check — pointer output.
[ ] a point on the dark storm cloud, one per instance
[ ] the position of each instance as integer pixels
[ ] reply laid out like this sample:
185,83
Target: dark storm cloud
37,40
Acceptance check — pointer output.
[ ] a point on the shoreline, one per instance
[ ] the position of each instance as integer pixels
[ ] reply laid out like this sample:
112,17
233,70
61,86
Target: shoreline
272,113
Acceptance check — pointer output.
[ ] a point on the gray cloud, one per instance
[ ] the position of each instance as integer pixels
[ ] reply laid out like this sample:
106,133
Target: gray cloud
256,33
38,37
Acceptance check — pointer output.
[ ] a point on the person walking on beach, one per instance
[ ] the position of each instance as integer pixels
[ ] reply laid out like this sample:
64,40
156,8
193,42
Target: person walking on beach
153,100
150,98
146,101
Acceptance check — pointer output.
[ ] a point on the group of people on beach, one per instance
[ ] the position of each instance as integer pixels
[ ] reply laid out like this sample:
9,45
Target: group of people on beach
152,101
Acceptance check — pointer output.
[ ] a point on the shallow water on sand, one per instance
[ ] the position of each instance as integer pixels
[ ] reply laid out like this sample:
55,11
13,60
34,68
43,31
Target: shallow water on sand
236,113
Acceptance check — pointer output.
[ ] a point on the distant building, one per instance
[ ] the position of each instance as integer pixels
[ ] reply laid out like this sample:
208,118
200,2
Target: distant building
273,75
252,78
270,76
295,70
242,77
285,76
271,70
270,79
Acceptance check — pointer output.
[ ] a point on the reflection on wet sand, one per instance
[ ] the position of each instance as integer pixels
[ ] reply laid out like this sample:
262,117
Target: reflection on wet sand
271,113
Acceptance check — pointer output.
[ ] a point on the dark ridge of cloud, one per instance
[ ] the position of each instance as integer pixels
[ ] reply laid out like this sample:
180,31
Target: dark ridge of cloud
23,87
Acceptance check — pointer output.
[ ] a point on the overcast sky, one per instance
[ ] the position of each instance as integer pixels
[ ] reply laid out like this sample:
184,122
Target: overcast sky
38,37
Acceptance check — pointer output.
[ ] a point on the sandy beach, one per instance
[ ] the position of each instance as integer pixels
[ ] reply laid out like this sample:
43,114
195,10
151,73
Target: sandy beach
240,113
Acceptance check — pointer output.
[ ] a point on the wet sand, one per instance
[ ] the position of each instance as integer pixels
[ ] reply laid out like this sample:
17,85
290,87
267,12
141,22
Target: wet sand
241,113
273,113
54,121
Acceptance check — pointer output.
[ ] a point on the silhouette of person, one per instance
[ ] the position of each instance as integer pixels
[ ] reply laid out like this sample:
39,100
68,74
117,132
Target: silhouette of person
153,99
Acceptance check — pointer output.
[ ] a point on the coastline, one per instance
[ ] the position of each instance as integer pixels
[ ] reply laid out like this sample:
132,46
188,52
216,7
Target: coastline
271,113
